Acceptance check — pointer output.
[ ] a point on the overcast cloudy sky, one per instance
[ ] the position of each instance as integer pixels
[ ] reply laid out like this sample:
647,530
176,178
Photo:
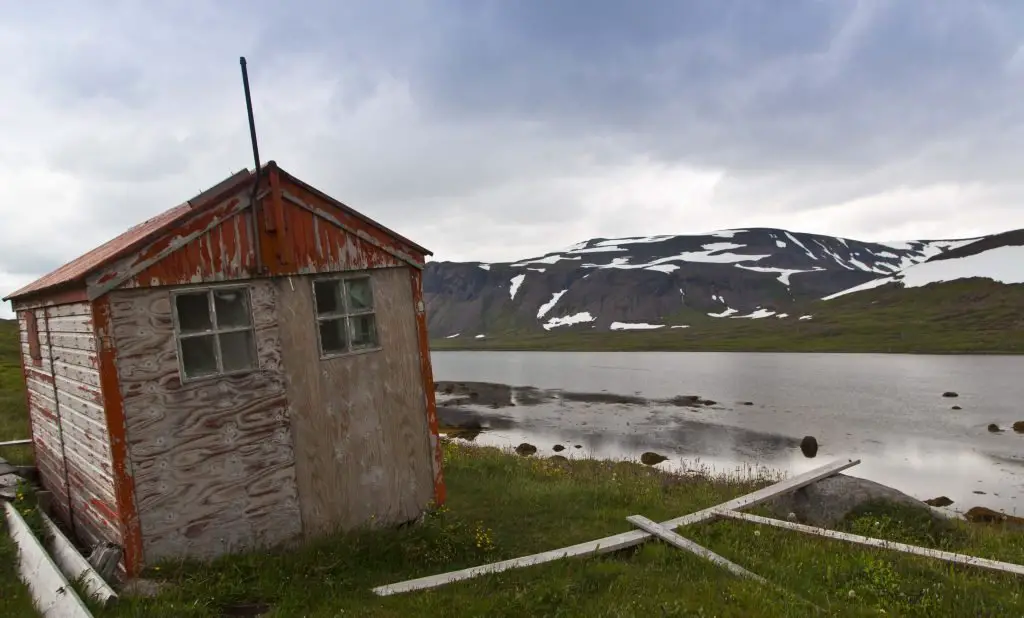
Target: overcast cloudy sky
490,130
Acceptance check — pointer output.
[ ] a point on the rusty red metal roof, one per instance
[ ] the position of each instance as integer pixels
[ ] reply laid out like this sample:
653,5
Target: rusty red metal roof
76,271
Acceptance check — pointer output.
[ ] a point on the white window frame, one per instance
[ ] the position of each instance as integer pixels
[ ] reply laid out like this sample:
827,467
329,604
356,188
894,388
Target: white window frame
346,315
215,331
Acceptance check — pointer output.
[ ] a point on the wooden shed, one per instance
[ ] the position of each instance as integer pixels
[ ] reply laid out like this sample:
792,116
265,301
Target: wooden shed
247,368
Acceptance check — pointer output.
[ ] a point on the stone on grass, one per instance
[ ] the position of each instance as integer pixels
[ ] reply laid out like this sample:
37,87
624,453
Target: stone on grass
828,501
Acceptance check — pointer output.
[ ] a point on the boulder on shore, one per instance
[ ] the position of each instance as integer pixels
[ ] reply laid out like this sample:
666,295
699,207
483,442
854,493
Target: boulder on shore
652,459
983,515
1019,426
526,449
828,501
940,501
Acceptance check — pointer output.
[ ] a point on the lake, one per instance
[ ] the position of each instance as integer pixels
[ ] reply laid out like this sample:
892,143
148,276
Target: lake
887,410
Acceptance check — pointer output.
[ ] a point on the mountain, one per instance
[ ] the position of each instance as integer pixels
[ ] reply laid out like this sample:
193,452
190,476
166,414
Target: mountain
661,281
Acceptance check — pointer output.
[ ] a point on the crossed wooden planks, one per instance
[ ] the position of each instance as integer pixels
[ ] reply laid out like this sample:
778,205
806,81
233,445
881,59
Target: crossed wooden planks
618,541
664,531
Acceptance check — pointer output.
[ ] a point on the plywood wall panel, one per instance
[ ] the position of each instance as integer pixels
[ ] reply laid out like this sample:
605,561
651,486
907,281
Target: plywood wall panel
361,436
212,459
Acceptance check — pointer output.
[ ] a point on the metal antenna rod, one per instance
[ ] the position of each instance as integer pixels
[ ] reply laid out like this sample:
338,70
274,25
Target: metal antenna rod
252,121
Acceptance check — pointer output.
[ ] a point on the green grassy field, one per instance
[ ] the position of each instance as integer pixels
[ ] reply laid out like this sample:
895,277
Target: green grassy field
502,506
962,317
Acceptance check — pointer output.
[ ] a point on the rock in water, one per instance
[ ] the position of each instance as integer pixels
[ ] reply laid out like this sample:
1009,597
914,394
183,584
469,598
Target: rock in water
950,394
956,408
994,428
558,448
1019,426
809,446
652,459
526,449
826,502
940,501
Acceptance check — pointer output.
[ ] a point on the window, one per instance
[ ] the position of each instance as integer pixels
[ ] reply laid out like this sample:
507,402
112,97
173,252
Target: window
214,331
344,315
32,331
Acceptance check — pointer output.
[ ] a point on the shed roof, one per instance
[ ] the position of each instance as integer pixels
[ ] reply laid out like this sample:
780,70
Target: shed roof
77,270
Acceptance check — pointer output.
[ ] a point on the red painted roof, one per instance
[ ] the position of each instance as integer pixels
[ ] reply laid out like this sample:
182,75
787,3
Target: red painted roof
77,270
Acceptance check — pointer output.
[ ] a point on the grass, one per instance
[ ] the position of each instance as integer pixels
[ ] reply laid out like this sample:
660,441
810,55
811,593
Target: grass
502,506
962,317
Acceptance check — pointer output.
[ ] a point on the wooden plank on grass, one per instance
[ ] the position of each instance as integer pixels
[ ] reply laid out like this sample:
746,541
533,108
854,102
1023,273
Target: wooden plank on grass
51,593
617,541
985,563
75,566
677,540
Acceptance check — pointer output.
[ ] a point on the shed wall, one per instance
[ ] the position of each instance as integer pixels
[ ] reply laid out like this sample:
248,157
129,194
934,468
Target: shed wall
69,430
362,441
212,459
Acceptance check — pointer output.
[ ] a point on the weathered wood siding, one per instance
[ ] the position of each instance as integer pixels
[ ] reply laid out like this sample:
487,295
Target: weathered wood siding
69,429
212,459
362,444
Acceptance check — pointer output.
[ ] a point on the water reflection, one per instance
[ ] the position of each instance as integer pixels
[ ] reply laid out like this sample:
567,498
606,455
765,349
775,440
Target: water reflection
923,468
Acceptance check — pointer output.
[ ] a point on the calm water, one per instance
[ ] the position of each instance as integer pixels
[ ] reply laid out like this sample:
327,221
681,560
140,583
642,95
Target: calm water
886,410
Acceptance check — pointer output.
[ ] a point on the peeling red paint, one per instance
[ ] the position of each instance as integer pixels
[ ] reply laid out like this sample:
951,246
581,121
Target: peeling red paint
124,484
440,491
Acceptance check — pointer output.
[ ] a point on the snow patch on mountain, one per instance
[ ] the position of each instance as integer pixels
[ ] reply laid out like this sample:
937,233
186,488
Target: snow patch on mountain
569,320
550,304
784,273
637,326
515,282
724,314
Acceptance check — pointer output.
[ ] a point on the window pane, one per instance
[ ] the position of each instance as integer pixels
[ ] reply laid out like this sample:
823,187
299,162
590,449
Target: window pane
232,307
332,336
193,313
364,331
360,295
238,350
328,297
198,356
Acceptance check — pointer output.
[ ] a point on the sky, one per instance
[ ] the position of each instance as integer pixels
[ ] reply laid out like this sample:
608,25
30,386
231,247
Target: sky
499,129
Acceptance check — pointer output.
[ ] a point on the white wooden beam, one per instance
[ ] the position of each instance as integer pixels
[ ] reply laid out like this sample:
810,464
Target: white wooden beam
677,540
75,566
617,541
16,442
51,593
985,563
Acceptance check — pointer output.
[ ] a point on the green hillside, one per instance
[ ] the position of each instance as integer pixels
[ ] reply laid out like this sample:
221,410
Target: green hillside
965,316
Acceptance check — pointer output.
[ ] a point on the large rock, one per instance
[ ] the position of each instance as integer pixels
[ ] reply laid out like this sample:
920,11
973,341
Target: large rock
830,500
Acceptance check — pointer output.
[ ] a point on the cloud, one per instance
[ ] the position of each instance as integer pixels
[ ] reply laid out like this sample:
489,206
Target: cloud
495,130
